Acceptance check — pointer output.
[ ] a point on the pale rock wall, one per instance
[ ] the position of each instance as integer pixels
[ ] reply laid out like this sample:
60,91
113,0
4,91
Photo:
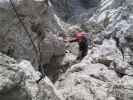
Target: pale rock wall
106,72
41,26
18,82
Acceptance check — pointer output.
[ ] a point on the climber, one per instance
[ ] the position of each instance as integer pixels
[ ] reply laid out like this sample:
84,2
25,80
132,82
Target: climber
81,38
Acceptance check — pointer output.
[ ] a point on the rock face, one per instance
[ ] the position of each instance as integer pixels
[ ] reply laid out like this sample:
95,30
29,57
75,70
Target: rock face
72,10
40,44
18,82
106,72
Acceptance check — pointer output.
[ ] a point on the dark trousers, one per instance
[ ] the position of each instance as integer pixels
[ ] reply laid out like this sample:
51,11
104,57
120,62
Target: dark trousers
82,53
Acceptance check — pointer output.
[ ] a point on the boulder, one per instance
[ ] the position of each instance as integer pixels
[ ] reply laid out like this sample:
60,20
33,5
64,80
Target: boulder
86,82
18,82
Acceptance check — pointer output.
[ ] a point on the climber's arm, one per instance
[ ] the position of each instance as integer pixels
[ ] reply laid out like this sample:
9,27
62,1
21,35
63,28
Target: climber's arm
73,40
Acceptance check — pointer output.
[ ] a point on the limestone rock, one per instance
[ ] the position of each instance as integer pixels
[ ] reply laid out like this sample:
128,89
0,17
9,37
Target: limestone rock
46,47
87,82
18,82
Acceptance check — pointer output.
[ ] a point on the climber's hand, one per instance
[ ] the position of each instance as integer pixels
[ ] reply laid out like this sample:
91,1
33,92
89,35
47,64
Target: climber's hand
66,41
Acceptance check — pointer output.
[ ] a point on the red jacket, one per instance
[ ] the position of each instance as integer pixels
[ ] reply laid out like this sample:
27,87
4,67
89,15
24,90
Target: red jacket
79,37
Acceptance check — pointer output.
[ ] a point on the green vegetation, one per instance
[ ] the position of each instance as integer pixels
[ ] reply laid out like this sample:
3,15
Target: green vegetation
92,27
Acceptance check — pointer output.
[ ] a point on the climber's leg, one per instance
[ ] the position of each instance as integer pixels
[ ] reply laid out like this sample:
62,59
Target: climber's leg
79,55
82,54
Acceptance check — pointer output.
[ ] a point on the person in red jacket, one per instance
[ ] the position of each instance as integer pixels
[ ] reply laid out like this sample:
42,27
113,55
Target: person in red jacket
82,40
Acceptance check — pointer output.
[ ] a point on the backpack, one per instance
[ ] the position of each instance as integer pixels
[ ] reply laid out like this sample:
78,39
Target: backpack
89,39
